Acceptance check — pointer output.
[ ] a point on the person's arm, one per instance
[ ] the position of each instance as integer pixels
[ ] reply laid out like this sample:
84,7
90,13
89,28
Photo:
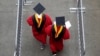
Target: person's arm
49,19
66,34
29,21
48,30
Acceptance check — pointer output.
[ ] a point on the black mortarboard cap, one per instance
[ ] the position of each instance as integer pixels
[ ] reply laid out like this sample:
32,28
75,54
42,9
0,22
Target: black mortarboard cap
60,20
39,8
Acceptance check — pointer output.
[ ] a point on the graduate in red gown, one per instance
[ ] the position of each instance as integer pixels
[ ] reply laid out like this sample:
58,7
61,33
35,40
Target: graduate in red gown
57,32
39,21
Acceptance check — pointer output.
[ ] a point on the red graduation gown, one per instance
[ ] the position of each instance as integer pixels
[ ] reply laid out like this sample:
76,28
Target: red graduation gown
40,36
56,46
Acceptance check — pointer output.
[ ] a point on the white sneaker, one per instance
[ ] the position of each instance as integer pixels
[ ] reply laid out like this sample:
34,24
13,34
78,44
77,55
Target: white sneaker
42,47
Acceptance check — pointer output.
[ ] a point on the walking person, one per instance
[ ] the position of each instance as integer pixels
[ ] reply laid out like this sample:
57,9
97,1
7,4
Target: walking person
39,21
57,33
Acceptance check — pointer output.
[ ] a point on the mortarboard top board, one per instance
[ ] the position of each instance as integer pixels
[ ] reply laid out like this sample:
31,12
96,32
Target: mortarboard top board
60,21
39,8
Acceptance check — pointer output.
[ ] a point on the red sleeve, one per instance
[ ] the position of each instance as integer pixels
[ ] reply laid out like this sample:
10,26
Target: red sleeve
29,21
67,34
49,20
48,30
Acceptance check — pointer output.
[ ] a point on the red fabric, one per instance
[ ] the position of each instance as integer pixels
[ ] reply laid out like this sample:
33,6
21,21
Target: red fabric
40,36
56,45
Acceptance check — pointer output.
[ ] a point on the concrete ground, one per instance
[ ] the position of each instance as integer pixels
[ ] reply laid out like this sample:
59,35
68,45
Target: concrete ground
7,27
31,47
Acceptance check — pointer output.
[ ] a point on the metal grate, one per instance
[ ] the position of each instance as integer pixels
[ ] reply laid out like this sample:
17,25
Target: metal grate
81,28
18,29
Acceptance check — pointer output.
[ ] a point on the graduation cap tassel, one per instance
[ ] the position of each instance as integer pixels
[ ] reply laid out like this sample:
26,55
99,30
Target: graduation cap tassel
18,29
